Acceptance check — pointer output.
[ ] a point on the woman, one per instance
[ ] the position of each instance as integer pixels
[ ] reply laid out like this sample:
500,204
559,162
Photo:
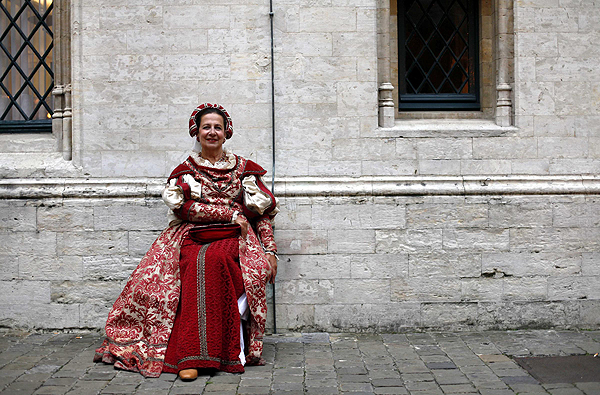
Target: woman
183,307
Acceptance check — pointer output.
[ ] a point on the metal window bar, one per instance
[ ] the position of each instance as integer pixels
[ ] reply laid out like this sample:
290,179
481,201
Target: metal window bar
26,77
438,54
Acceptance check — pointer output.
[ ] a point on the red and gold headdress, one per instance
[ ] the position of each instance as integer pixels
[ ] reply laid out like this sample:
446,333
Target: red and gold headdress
228,123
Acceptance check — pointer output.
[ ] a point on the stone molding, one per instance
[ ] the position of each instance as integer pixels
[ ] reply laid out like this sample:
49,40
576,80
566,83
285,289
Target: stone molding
62,117
77,188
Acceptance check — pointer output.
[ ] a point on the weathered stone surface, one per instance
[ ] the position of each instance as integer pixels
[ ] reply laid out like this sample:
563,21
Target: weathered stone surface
349,149
439,167
351,241
446,215
295,316
554,239
590,313
23,292
425,289
77,292
477,239
358,216
308,44
18,219
521,264
444,148
50,268
327,19
10,267
520,215
108,267
91,243
397,241
389,317
481,289
128,217
449,264
526,288
573,288
294,215
389,167
485,166
36,315
590,264
293,267
562,147
505,148
527,315
140,242
455,315
28,243
305,291
301,241
58,218
351,291
378,265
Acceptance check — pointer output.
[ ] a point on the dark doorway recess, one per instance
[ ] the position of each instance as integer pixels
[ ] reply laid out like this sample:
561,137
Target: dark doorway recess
569,369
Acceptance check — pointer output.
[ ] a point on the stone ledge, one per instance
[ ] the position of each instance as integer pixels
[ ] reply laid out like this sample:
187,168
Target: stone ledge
27,142
69,188
25,165
444,128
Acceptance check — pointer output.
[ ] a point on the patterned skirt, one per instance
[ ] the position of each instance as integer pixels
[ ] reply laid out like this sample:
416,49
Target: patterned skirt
206,330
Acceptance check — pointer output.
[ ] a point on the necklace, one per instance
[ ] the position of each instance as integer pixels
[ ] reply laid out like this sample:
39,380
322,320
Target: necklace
220,159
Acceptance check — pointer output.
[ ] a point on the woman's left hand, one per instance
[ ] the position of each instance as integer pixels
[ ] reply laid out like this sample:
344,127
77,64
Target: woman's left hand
272,272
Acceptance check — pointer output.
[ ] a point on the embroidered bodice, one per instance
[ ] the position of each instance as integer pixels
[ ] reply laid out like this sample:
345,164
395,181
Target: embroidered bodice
198,191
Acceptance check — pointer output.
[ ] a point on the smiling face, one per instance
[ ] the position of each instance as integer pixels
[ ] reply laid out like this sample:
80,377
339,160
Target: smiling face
211,133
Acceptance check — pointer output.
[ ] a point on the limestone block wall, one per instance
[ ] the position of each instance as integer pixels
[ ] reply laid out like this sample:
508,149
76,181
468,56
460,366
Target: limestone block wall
446,221
379,255
442,262
140,69
556,67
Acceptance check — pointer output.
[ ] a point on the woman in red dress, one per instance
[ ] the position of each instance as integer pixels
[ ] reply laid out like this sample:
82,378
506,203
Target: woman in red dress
197,299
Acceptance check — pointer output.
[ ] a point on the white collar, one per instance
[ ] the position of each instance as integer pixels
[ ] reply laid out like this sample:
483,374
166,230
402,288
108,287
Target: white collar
228,163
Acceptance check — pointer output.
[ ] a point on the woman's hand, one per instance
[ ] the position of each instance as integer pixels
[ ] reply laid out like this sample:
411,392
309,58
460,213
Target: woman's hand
243,223
272,272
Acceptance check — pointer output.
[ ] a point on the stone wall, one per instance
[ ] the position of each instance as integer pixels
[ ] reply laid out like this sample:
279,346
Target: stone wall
445,220
393,263
391,255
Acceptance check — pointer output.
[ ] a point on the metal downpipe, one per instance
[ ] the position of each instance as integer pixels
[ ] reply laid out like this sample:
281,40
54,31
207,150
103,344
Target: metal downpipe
273,139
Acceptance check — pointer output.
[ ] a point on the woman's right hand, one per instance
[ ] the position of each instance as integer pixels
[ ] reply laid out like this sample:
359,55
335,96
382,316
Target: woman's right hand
243,223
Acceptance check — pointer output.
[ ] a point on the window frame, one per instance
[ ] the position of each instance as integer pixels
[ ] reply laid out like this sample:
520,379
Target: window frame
32,125
443,102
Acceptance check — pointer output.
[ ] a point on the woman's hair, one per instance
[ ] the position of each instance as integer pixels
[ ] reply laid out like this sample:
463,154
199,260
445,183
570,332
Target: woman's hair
209,110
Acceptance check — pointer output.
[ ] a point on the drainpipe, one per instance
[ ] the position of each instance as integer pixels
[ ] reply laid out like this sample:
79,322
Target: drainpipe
273,139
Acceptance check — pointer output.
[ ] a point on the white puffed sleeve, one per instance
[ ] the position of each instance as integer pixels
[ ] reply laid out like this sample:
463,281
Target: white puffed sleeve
195,186
255,199
172,195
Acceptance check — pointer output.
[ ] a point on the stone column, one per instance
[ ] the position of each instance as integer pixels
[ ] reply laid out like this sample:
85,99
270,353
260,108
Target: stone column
61,118
503,61
386,102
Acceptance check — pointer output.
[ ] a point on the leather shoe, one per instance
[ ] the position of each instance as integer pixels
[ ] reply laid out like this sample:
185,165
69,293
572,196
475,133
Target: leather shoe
188,374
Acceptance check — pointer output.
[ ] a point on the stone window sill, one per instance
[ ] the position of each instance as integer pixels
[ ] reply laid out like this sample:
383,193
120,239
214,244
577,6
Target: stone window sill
33,155
444,128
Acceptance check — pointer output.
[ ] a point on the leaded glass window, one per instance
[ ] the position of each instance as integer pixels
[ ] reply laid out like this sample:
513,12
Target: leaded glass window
438,65
26,78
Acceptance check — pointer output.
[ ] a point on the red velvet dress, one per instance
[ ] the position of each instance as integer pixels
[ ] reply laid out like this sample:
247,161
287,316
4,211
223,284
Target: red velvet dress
206,330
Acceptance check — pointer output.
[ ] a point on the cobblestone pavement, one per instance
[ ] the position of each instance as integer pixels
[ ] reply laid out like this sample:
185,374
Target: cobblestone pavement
316,363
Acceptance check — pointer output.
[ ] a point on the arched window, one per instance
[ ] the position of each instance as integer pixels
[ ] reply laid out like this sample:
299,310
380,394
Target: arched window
26,69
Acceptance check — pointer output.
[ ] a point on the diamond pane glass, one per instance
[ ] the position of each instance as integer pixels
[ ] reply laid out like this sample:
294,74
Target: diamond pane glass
26,78
436,47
